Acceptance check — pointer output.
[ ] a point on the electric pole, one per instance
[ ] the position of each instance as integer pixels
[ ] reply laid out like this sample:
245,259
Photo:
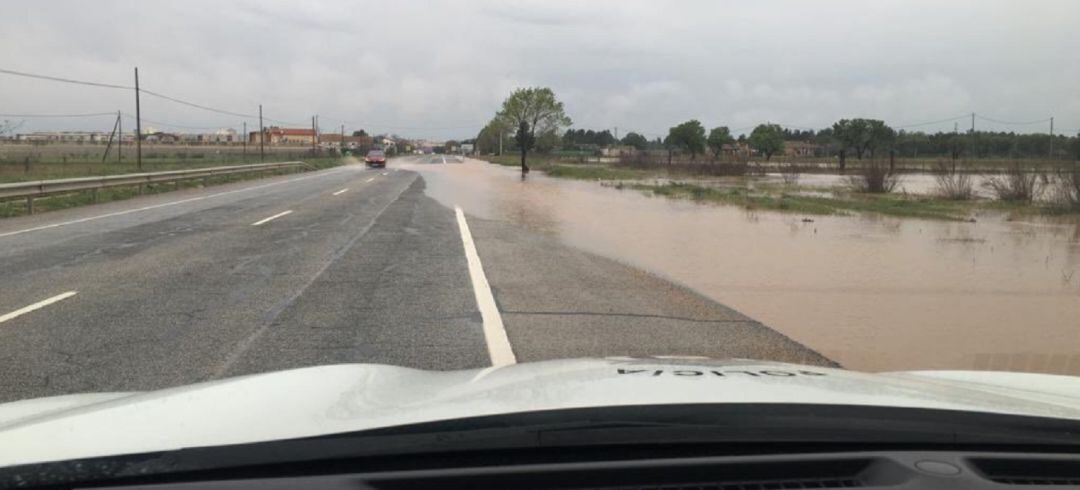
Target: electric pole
341,148
1051,137
313,135
138,124
244,141
120,139
111,134
262,154
971,141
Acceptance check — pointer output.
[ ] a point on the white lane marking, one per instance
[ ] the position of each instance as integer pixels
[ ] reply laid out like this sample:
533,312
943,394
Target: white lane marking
386,173
338,193
276,216
162,205
245,344
40,304
494,332
369,180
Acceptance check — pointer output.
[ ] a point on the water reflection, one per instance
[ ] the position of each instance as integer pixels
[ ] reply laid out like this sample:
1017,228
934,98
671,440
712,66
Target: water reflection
874,293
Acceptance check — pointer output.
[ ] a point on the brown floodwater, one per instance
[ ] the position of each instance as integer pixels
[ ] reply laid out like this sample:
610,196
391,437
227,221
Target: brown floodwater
873,293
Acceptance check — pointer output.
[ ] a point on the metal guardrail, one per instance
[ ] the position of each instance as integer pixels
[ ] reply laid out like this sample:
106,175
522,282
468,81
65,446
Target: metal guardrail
39,188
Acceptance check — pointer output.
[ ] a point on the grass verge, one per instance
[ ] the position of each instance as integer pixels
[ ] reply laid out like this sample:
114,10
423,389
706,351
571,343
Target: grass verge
55,202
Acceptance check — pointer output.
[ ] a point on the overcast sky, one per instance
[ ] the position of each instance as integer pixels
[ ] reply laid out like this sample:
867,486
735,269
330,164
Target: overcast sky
441,69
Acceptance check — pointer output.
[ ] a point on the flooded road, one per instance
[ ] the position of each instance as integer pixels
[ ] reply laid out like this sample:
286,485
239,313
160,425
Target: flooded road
873,293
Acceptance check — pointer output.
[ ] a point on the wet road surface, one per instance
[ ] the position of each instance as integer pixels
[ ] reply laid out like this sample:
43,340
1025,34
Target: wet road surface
337,266
872,293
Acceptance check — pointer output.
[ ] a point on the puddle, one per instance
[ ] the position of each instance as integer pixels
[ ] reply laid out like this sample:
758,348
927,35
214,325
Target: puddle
873,293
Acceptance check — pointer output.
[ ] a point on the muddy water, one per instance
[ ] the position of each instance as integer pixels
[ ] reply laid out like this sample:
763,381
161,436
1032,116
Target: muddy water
913,183
872,293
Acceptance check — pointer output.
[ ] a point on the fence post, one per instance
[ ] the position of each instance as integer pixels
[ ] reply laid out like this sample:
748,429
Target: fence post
29,205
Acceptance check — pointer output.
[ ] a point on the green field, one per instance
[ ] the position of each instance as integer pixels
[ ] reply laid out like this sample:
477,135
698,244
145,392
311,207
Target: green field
20,163
58,170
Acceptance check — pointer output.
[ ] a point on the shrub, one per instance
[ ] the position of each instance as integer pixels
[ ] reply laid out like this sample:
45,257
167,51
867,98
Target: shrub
790,173
1015,184
874,176
954,183
1066,187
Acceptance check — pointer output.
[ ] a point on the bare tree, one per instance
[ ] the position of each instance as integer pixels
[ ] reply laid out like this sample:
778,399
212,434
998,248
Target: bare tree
874,176
952,182
1015,184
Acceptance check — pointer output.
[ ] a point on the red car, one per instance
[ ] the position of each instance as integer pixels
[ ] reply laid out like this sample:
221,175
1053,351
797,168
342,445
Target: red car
375,158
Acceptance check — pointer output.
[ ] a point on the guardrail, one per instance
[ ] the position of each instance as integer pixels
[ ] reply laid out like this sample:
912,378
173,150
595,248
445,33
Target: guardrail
39,188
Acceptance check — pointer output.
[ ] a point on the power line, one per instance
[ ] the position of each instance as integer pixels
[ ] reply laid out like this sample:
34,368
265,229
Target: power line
127,87
198,106
388,126
1015,123
90,114
927,123
171,125
291,123
65,80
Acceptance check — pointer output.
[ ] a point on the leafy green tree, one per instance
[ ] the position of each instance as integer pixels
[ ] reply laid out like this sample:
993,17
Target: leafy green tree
635,140
533,110
718,137
879,136
546,142
864,136
490,139
689,136
767,139
525,139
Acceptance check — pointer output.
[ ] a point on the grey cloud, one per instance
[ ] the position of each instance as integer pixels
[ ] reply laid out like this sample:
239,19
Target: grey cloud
638,65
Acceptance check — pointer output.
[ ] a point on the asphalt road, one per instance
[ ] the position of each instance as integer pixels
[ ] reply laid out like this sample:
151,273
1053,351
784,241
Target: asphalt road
338,266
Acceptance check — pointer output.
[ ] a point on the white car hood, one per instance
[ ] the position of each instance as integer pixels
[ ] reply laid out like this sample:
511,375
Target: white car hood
350,397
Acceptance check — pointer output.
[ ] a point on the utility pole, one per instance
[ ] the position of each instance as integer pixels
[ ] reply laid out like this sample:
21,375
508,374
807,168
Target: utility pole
244,141
262,154
138,124
313,134
111,134
341,148
119,138
1051,137
971,141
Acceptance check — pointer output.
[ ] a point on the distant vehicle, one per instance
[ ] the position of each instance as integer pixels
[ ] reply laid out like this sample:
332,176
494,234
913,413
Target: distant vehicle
375,158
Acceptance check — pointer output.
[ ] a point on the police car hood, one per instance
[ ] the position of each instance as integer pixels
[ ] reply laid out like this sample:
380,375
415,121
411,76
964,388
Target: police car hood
353,397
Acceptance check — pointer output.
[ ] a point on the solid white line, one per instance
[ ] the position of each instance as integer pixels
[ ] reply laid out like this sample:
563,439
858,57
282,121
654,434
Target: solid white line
276,216
40,304
494,332
369,180
338,193
155,206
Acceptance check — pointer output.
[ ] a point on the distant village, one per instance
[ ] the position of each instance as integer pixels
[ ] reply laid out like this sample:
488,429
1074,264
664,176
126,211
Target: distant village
272,136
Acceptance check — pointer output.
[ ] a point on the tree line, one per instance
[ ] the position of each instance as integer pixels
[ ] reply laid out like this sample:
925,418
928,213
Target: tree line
532,119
